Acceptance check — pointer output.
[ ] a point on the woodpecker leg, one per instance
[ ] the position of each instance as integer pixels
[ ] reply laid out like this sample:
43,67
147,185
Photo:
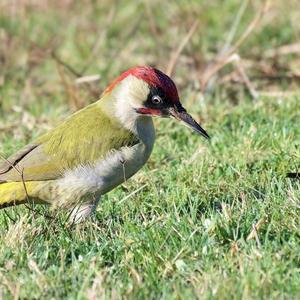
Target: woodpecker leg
82,211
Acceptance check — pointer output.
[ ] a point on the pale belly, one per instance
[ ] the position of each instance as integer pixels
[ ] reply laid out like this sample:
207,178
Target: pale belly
89,181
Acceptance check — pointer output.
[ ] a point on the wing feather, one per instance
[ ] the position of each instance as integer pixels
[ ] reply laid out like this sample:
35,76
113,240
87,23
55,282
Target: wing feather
30,163
82,139
10,162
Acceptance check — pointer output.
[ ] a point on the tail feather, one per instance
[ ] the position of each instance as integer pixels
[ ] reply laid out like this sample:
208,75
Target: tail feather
13,193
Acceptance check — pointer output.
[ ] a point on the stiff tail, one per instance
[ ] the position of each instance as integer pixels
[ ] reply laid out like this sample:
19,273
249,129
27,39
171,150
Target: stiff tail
13,193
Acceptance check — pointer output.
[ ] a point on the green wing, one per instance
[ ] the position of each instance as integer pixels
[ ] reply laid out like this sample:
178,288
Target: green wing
30,163
83,138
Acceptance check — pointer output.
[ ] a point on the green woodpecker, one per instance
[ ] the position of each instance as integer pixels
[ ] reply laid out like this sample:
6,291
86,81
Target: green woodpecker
96,148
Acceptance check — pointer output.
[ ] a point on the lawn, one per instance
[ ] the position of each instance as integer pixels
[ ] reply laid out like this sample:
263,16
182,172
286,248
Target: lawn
203,219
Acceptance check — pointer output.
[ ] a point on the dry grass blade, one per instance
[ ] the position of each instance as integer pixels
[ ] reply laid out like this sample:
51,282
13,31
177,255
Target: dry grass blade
133,193
242,72
174,58
283,50
74,98
16,234
225,58
13,287
255,229
278,94
255,22
88,78
234,27
41,279
4,128
71,89
100,39
97,290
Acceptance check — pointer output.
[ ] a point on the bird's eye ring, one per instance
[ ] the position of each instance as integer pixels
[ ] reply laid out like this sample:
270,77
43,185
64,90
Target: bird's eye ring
156,100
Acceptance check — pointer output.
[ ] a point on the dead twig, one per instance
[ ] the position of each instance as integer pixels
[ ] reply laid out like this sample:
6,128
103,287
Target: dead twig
295,201
67,66
16,167
132,193
11,218
72,92
246,80
71,89
198,152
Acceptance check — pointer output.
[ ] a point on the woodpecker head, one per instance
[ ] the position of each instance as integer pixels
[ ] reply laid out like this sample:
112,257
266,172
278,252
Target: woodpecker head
146,91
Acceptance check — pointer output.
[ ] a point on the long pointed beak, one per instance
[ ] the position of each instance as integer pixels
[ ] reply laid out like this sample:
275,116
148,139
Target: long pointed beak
182,115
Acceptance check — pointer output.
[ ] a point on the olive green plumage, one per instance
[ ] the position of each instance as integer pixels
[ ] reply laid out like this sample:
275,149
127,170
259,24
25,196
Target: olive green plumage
81,139
97,148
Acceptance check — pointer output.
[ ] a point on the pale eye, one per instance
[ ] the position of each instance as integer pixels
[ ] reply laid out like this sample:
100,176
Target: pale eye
156,100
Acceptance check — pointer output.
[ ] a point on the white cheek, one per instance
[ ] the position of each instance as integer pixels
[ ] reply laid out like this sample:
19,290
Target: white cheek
130,95
139,91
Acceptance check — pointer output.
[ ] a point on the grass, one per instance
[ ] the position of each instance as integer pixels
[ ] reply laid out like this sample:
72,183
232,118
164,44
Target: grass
184,226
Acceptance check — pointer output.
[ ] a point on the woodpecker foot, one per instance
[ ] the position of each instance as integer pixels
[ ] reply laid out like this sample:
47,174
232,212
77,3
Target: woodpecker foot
81,212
